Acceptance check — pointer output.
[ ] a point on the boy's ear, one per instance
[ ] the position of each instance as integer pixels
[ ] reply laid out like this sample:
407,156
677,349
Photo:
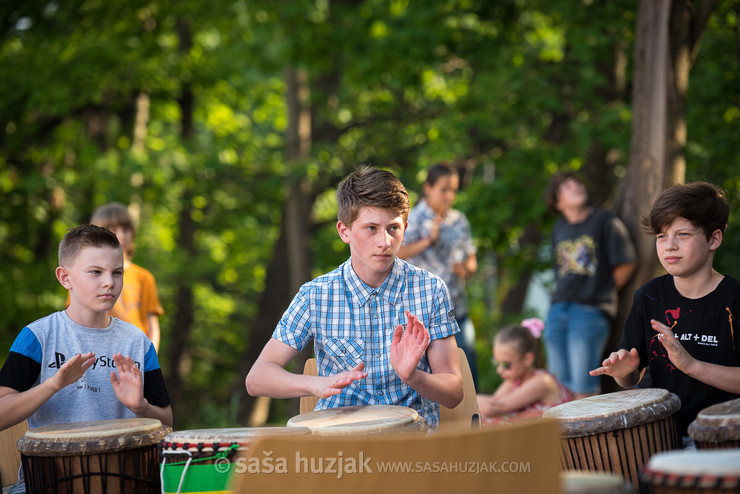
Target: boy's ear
715,240
342,229
63,277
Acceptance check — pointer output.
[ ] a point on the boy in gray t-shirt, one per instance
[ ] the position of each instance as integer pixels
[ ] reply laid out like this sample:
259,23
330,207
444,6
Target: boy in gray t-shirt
81,364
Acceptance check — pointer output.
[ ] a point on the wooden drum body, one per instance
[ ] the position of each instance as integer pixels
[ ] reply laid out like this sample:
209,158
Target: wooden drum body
201,460
717,426
361,420
617,432
107,456
693,472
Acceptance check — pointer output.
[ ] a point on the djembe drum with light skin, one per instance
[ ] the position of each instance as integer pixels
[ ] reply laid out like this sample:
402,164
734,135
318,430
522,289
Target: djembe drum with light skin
617,432
201,460
102,456
692,472
361,420
717,426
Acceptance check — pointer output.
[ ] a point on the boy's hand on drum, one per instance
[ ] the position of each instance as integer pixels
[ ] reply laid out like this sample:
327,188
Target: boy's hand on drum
408,346
619,364
333,385
128,385
677,354
72,370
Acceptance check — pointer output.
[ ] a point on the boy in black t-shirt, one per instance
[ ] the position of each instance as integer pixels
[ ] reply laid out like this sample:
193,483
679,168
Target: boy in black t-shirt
684,324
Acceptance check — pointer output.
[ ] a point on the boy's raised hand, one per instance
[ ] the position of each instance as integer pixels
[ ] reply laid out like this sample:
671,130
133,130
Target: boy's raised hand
128,385
408,347
677,354
333,385
73,369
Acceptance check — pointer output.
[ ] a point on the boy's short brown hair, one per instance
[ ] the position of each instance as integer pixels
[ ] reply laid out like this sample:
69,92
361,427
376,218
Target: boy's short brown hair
83,236
701,203
372,188
115,215
112,215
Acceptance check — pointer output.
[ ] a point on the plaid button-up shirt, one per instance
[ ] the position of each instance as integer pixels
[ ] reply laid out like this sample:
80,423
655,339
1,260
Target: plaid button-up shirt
350,322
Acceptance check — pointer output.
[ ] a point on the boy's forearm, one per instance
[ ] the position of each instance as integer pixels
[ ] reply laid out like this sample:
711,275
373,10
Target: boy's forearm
16,407
715,375
149,411
629,381
269,379
443,388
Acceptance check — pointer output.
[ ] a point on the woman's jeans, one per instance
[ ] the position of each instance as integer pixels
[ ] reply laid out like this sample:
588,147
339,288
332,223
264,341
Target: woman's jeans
575,337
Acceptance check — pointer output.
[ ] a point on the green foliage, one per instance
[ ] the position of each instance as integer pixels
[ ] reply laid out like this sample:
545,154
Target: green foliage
516,89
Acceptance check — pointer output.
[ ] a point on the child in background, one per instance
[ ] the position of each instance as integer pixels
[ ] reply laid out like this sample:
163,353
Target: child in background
139,303
527,390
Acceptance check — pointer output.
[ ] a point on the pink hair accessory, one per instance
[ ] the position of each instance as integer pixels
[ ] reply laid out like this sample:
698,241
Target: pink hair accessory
535,325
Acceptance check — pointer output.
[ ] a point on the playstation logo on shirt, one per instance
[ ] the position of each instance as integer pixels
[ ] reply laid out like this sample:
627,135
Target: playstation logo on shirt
59,361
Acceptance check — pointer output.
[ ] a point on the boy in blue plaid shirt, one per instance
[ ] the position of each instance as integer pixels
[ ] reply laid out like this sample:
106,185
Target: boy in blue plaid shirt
383,330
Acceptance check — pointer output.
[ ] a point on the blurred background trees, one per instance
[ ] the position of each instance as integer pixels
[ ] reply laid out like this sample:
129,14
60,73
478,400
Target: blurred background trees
226,126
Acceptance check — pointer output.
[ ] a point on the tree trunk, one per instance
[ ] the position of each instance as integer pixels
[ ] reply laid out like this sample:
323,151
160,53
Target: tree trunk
290,266
179,337
666,43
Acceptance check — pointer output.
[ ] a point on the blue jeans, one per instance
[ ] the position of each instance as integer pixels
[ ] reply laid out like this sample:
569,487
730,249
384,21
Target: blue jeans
575,337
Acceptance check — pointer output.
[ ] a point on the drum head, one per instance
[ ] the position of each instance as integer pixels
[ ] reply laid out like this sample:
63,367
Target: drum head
360,419
210,439
91,437
611,411
717,423
695,468
587,482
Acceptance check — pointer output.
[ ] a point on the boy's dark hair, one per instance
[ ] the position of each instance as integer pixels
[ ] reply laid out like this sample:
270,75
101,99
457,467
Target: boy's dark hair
83,236
372,188
701,203
523,340
115,215
438,171
553,188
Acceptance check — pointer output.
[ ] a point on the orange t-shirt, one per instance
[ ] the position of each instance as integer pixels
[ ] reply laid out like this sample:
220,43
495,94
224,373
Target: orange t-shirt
138,298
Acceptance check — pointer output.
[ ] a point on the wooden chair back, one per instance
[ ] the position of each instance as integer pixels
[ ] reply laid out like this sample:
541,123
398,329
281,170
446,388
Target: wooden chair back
10,458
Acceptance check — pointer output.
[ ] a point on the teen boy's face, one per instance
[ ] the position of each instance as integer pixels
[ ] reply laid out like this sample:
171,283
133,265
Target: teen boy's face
374,240
684,250
94,280
571,194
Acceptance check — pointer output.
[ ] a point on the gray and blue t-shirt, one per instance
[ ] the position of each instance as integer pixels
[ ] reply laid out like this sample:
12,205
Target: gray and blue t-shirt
43,346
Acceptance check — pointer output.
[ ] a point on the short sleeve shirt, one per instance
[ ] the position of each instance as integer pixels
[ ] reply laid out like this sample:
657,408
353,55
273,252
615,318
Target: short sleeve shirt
706,327
584,258
350,322
43,346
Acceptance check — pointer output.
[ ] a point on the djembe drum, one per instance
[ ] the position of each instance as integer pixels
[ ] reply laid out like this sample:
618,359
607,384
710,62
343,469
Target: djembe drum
105,456
361,420
588,482
693,472
617,432
201,460
717,426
